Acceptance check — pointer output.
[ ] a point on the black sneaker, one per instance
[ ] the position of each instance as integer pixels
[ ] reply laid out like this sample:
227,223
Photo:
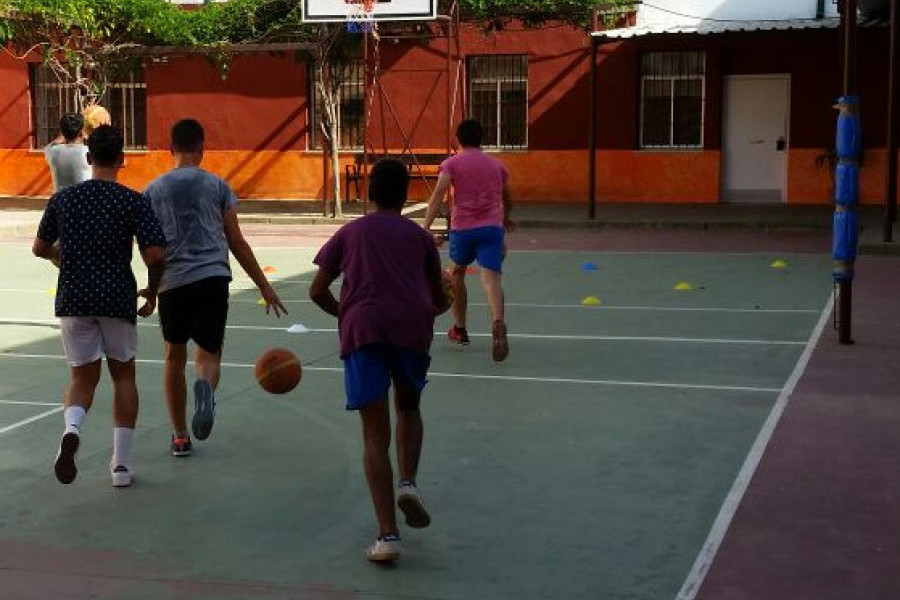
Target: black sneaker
64,467
181,446
204,409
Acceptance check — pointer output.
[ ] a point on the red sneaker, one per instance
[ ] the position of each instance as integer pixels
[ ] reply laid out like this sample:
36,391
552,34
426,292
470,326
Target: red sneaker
458,335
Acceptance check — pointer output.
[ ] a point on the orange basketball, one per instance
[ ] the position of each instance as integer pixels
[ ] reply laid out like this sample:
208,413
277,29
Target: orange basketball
278,371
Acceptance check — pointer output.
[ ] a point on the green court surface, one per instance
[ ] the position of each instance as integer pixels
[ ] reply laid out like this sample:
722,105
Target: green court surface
591,464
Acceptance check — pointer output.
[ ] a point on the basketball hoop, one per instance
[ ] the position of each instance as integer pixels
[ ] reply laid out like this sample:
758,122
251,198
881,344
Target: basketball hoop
360,16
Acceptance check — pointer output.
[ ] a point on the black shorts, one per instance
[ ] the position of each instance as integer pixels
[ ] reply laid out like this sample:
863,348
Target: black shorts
197,311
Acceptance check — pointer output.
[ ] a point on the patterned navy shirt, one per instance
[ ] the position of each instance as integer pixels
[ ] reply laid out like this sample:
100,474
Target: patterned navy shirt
96,223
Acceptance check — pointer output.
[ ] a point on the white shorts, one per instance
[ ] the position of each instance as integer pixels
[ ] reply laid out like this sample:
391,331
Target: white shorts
88,339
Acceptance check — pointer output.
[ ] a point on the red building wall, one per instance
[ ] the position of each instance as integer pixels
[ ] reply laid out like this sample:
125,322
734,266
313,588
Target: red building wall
813,60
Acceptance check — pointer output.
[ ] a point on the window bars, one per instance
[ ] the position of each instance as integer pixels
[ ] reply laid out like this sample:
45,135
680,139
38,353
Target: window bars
348,78
673,97
498,98
51,98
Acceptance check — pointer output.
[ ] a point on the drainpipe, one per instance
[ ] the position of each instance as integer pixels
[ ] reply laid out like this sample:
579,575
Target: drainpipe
820,9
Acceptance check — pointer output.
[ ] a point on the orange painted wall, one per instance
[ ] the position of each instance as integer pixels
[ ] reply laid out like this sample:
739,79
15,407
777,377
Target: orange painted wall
639,176
808,184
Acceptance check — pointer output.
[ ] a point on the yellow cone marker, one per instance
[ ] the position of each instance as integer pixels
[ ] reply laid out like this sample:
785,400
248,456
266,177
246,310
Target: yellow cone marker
779,264
261,301
683,286
52,291
269,270
591,301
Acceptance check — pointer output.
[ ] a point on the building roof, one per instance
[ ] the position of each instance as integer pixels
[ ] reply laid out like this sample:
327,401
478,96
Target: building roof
708,26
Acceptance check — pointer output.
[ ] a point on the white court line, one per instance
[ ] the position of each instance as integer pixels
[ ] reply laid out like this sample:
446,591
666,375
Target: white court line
525,336
25,403
729,507
599,382
44,414
536,305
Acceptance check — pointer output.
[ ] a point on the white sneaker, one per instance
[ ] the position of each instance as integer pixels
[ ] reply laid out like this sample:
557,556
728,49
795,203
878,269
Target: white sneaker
385,549
121,476
409,500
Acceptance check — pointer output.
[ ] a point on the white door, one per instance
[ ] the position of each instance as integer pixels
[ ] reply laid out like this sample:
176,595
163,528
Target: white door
756,137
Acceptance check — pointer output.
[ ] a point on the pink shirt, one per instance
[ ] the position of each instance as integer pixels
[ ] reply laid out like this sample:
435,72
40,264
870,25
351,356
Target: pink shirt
478,181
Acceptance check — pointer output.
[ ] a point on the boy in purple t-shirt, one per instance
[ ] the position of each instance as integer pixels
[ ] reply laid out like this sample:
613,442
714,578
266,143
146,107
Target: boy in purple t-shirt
478,221
390,295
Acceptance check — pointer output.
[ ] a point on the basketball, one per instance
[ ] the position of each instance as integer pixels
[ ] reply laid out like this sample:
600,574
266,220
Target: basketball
447,285
95,116
278,371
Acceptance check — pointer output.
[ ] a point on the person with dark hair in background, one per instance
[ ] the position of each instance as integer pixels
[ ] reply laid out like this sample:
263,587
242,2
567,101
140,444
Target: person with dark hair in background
95,224
390,294
479,219
67,154
198,216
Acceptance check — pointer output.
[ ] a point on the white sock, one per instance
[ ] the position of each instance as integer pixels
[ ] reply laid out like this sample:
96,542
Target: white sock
122,437
74,417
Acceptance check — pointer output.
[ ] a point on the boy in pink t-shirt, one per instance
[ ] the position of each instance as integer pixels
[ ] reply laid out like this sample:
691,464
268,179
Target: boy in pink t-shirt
479,219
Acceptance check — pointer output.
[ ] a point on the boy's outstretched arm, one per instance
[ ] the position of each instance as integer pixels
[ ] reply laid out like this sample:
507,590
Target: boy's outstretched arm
320,292
245,257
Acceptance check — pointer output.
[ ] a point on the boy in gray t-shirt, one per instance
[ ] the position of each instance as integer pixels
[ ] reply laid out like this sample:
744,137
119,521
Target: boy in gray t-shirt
198,216
67,155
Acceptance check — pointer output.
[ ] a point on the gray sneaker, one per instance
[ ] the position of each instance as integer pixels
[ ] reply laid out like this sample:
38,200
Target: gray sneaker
409,500
204,409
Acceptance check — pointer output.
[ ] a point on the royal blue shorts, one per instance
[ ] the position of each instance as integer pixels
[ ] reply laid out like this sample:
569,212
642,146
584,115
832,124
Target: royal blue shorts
369,370
484,244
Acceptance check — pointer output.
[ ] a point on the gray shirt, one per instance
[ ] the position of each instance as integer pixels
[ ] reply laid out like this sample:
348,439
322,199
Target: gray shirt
68,164
190,203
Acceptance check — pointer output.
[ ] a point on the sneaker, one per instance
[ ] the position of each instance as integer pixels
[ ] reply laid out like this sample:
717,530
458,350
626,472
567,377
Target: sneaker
385,549
64,467
204,409
181,446
500,347
121,476
458,335
410,503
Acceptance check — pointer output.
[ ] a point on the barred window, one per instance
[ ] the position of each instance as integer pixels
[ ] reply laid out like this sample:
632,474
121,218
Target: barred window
125,98
349,79
672,99
498,98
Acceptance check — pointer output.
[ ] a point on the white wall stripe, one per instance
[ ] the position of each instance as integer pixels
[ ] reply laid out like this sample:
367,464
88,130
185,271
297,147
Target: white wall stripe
729,507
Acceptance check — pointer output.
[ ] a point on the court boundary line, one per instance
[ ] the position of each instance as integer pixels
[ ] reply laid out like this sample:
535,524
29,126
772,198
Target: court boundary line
28,403
540,305
53,323
37,417
442,375
707,555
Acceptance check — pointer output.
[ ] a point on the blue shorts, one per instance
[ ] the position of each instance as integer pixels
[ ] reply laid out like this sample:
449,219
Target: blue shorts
369,370
482,243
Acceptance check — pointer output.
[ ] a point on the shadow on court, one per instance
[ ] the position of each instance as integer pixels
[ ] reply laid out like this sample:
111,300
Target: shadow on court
591,464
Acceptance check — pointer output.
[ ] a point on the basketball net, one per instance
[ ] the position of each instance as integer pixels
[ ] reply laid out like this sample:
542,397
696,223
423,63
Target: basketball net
360,16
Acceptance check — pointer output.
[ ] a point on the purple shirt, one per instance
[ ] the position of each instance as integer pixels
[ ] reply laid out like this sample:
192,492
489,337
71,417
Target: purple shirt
478,181
387,262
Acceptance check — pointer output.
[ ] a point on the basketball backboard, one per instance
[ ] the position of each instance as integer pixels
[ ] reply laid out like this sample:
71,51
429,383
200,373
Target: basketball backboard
338,11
